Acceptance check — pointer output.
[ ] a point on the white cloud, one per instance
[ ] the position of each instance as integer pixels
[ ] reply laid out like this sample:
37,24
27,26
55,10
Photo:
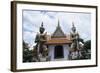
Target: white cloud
33,19
29,37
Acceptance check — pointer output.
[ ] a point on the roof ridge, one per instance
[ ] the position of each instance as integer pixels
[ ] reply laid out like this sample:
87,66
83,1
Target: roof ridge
56,32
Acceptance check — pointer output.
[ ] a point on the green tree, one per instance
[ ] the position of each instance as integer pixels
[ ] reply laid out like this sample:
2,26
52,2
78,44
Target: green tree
87,49
27,54
87,45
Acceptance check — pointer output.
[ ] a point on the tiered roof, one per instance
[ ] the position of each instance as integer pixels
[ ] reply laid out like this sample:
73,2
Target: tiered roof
58,37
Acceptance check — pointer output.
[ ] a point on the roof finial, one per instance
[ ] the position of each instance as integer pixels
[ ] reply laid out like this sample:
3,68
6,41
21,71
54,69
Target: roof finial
58,24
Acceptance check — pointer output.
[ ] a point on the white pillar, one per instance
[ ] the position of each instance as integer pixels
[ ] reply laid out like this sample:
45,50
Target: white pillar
51,52
66,51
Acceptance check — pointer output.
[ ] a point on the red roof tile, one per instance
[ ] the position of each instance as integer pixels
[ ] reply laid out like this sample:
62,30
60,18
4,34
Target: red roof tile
59,41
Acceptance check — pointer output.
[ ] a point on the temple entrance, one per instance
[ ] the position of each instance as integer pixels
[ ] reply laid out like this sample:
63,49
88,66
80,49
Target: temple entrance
58,52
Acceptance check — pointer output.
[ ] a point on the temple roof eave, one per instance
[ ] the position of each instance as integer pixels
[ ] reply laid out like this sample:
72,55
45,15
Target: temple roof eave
58,41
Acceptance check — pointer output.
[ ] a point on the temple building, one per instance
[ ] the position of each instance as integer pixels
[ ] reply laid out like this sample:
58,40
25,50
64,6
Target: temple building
58,45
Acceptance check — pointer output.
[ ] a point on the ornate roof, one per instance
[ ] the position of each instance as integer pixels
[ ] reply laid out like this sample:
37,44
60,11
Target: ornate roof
58,37
58,32
58,41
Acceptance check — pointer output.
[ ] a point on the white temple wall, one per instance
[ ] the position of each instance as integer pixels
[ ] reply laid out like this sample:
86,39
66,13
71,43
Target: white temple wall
51,52
65,51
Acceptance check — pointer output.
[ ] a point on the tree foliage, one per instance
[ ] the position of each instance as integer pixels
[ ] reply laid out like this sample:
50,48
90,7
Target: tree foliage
87,45
87,49
27,54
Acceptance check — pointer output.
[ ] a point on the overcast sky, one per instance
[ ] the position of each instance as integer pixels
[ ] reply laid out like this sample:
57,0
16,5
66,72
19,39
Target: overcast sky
32,21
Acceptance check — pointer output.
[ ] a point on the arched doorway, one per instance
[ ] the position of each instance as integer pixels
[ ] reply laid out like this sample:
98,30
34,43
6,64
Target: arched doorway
58,52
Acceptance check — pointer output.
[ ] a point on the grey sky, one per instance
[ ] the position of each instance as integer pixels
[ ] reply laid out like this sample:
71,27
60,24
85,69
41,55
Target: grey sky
33,19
